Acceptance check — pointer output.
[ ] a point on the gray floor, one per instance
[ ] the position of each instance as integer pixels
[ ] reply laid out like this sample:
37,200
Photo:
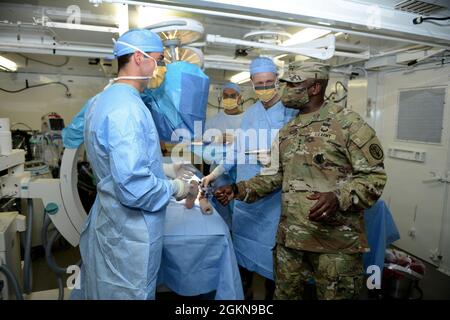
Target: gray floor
43,276
435,284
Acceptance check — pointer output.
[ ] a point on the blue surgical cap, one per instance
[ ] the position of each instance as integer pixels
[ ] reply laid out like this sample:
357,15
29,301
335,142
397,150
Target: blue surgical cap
231,85
143,39
262,64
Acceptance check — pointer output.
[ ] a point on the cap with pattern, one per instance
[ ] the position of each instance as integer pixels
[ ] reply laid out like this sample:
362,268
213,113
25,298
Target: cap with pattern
299,71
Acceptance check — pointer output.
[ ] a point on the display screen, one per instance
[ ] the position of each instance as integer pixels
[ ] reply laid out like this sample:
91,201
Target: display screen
56,124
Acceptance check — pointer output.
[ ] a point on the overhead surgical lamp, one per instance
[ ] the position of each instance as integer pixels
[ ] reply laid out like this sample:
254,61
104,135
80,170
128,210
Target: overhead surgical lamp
241,77
176,35
7,65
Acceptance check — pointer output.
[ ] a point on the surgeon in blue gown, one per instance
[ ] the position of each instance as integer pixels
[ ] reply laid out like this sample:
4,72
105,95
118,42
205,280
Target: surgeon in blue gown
224,122
121,242
254,225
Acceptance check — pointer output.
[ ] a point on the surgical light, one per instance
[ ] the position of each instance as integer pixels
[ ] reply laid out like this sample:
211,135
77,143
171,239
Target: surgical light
8,65
151,15
305,35
241,77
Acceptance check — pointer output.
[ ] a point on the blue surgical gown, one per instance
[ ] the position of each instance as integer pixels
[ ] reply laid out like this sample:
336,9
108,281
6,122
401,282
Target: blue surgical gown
73,134
254,225
121,242
216,152
381,232
222,122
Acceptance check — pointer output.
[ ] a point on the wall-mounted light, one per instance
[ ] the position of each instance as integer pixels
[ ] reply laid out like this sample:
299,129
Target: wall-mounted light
7,65
241,77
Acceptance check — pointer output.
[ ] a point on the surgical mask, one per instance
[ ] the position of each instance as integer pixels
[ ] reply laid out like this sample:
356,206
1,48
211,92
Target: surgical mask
294,98
158,77
266,93
230,103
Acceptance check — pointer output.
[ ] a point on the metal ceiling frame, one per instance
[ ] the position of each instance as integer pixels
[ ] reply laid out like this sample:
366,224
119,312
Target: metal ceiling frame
315,48
373,18
46,45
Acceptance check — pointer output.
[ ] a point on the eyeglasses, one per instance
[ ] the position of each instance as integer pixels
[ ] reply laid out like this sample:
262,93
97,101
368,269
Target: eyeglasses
266,84
230,95
160,63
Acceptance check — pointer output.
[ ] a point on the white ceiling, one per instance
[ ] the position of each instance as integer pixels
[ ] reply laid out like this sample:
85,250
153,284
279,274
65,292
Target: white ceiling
106,15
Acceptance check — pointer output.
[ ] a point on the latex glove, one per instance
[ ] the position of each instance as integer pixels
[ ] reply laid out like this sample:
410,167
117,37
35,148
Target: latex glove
183,189
178,170
219,170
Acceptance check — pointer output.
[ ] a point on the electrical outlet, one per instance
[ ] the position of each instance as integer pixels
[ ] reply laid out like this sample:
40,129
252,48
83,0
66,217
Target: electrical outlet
412,232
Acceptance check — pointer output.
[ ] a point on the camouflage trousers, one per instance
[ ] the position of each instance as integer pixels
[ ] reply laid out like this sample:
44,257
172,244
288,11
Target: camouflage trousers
337,276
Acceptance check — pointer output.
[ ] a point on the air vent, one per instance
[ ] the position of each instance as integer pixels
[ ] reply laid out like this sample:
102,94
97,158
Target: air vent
418,7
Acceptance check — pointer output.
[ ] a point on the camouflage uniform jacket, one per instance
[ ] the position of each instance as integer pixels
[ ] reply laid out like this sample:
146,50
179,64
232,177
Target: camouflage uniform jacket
333,150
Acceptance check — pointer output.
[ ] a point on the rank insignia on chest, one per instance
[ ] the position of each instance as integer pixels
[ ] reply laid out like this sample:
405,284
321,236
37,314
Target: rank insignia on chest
325,127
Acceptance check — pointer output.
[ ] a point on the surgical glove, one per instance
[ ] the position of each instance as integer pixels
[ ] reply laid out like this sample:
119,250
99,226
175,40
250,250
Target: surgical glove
179,189
182,189
219,170
178,170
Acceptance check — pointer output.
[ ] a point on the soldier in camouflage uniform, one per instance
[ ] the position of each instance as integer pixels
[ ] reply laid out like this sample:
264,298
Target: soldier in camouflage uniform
330,168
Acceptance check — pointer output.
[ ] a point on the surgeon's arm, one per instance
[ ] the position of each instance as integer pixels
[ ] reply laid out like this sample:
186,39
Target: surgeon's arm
131,163
363,188
224,166
73,134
